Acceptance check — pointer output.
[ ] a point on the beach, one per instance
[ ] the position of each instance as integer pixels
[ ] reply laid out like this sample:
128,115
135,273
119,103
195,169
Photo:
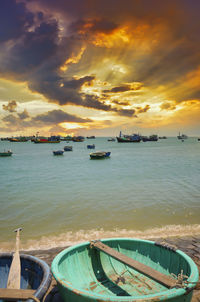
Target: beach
188,244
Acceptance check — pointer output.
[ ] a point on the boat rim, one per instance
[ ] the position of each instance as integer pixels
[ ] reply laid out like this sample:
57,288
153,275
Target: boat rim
46,280
169,293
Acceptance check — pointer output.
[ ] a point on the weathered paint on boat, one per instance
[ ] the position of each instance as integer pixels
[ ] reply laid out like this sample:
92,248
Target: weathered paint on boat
35,274
85,275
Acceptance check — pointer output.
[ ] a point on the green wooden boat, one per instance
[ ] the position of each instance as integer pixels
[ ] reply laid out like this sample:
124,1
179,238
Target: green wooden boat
6,153
104,271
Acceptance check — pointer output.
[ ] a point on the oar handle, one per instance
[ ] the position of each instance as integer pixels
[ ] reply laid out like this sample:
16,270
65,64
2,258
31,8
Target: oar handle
17,238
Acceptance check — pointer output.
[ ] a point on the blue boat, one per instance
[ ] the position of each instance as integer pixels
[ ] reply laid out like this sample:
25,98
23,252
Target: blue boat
68,148
91,146
35,277
58,152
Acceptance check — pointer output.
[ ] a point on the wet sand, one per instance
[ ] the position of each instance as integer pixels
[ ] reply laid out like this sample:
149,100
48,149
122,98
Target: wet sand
189,245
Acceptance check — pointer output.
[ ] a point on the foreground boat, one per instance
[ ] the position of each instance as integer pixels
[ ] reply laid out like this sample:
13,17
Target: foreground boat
6,153
124,270
99,155
35,278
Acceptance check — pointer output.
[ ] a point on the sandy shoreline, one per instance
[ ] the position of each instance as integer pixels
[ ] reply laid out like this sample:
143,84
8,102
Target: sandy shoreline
188,244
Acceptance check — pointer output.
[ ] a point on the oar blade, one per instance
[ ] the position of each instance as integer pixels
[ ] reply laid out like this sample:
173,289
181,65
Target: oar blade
14,276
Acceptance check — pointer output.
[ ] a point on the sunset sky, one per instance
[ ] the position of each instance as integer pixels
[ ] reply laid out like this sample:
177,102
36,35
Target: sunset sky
95,67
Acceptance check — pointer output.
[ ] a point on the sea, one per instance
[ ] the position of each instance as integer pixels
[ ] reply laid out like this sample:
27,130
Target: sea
144,190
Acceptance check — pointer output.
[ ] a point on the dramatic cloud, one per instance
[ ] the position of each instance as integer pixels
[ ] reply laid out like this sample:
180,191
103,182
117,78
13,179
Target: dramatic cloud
11,107
58,116
24,115
104,55
144,109
167,106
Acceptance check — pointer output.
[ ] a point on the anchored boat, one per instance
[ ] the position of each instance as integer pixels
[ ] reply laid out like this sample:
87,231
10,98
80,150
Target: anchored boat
124,270
68,148
35,278
134,138
99,155
6,153
91,146
58,152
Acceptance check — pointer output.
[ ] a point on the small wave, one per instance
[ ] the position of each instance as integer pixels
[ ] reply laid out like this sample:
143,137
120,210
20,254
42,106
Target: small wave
71,238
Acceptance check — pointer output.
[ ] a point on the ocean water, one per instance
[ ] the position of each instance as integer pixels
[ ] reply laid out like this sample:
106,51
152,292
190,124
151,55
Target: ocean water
143,190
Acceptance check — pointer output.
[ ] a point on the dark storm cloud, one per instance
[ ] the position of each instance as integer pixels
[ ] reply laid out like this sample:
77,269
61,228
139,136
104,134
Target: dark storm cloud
93,26
121,103
15,19
38,47
11,107
58,116
126,112
117,89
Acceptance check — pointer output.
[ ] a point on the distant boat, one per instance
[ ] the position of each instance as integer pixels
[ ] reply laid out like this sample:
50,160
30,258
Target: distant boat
6,153
162,137
18,139
90,137
126,270
182,136
151,138
134,138
49,140
99,155
58,152
68,148
112,139
91,146
78,138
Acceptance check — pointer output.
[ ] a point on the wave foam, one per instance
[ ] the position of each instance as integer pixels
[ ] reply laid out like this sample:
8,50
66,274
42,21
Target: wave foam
71,238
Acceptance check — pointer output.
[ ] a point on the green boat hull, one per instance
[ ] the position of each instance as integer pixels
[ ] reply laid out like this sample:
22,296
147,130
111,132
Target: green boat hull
85,274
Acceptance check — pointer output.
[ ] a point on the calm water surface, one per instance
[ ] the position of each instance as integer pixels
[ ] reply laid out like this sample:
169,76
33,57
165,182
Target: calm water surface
143,189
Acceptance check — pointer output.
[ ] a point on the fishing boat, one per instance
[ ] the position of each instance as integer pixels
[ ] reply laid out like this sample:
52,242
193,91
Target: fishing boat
134,138
124,270
78,138
91,146
6,153
49,140
151,138
182,136
35,278
58,152
99,155
68,148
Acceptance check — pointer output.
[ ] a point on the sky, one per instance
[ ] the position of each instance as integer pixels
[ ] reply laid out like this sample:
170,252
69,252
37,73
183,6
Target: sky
95,67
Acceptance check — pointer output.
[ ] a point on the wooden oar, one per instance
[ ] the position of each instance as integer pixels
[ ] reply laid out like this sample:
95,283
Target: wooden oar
163,279
15,268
